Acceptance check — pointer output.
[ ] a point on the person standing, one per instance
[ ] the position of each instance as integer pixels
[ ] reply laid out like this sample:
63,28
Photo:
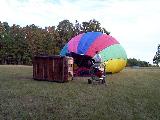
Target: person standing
97,60
97,57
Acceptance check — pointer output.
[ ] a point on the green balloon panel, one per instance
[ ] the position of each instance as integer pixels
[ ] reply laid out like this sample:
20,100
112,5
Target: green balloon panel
115,51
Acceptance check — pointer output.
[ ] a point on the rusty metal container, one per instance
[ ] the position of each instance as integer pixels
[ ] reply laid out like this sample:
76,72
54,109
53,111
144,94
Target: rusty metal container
53,68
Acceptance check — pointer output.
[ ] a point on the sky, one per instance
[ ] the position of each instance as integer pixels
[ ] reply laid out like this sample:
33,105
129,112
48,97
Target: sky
134,23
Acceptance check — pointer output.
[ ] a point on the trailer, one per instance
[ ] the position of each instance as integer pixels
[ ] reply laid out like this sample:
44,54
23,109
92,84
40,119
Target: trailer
53,68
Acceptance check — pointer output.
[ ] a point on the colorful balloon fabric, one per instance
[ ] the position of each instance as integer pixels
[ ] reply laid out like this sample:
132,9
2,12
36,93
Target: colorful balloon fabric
113,54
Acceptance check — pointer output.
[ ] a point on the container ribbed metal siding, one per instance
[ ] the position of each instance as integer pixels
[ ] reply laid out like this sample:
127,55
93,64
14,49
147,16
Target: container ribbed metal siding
53,68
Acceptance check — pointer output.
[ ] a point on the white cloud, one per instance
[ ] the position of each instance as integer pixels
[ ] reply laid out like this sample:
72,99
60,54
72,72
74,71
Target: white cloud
134,23
136,26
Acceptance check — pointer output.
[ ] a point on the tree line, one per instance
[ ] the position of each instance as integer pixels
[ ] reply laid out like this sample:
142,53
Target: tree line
19,44
135,62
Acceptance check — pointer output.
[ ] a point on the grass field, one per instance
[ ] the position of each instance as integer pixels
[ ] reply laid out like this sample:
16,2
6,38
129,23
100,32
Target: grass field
133,94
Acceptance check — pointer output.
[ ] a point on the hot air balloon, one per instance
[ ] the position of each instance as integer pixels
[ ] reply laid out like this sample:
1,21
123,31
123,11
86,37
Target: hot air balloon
113,54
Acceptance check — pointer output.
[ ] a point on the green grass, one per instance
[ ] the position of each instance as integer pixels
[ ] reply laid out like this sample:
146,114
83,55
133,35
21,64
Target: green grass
132,94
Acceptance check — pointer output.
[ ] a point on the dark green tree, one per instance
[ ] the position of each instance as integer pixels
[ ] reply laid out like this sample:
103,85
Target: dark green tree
156,59
65,30
93,26
6,43
21,52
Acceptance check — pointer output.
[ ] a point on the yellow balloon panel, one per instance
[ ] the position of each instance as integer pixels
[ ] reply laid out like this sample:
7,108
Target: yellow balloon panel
115,65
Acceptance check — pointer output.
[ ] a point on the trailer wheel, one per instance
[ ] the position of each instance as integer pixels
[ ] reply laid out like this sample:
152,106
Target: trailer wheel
89,81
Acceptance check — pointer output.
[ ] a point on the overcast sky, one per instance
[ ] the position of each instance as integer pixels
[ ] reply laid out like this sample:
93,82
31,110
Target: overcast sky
134,23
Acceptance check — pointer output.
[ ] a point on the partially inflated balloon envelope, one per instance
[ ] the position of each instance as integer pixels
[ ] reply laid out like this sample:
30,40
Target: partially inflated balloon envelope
113,54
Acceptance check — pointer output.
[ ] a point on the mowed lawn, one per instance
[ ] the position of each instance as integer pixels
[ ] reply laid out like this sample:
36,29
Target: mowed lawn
132,94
